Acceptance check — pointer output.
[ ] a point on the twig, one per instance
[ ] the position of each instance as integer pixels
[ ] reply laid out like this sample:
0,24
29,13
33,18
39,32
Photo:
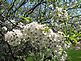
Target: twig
11,6
33,8
20,6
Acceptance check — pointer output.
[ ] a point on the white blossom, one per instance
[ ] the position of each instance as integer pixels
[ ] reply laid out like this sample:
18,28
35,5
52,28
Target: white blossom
14,37
40,35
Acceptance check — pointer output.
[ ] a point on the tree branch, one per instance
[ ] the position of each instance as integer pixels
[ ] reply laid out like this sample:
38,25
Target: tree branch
11,6
10,50
33,8
20,6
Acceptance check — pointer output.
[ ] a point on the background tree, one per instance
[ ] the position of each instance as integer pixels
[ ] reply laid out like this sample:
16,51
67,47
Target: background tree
42,11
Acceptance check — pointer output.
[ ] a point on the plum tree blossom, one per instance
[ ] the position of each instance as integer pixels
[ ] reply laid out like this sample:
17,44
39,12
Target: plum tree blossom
41,37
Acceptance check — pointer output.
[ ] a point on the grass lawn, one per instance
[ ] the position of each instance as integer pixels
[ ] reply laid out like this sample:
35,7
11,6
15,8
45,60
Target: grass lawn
74,55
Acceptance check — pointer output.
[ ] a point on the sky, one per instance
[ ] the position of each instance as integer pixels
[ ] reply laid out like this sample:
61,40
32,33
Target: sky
9,1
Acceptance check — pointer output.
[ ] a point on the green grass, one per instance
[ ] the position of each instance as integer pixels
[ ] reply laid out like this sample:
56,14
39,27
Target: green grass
74,55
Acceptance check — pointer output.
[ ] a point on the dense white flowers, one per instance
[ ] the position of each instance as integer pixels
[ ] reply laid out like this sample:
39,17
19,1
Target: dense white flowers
40,36
14,37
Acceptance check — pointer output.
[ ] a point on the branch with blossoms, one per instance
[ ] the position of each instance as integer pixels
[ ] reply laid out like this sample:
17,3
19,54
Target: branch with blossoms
29,12
2,37
4,42
34,38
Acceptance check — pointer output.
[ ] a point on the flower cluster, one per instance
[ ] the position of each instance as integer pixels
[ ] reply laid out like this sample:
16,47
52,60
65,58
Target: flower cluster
60,14
40,37
59,18
14,37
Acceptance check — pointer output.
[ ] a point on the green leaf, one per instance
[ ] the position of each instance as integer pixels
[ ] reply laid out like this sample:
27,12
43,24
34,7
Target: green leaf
0,1
73,39
46,29
29,59
25,20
